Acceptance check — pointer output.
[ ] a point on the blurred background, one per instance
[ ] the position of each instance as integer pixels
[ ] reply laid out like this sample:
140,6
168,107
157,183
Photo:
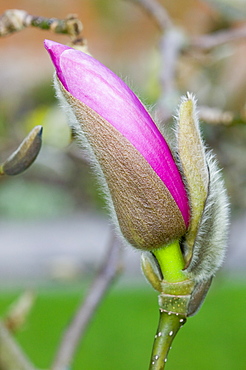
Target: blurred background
53,223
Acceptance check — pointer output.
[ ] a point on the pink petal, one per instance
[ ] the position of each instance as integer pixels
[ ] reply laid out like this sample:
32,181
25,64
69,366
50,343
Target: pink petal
104,92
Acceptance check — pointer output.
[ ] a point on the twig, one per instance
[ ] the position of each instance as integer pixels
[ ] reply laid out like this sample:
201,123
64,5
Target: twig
215,39
11,355
18,312
14,20
157,11
110,269
216,116
171,45
173,41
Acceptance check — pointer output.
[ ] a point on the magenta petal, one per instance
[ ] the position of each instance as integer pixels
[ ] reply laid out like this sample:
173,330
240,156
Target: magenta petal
104,92
55,50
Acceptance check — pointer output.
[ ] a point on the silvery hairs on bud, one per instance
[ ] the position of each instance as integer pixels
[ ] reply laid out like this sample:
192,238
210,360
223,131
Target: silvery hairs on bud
141,206
210,240
84,145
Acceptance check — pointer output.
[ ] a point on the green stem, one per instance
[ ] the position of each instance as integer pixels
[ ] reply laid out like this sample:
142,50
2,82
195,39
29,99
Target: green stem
168,327
171,262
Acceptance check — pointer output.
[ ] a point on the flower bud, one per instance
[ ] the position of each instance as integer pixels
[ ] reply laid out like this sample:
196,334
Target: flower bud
158,196
143,184
205,241
24,155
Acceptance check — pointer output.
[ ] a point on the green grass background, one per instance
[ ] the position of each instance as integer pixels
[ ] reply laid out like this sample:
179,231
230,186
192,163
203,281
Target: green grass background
121,334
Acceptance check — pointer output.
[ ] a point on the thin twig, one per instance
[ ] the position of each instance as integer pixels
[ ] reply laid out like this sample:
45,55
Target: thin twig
11,355
216,116
171,45
173,41
157,11
218,38
18,312
14,20
109,270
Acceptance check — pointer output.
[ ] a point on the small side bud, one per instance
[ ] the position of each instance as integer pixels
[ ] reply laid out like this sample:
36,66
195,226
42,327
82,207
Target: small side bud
151,270
205,242
211,239
25,154
191,154
198,295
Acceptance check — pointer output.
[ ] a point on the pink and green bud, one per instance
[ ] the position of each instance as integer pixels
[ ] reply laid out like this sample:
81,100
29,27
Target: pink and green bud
157,200
144,182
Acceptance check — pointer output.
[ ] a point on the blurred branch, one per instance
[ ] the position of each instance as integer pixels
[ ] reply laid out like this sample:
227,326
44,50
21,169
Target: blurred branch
171,45
11,355
108,272
19,311
216,116
215,39
157,12
173,42
14,20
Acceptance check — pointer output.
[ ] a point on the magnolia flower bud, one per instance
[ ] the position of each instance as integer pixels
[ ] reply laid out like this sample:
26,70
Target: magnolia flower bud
137,169
157,195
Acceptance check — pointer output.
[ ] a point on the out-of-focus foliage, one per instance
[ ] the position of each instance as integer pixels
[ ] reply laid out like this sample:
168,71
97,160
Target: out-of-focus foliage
128,308
231,9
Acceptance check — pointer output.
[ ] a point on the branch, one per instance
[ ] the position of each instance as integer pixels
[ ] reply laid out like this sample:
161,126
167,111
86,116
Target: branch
157,12
14,20
215,39
109,270
18,312
172,42
11,355
171,45
216,116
